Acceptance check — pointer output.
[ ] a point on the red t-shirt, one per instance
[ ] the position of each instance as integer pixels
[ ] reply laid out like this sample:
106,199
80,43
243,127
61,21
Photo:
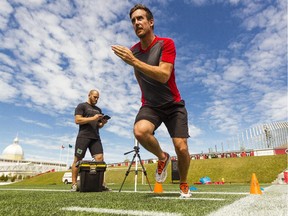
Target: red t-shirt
155,93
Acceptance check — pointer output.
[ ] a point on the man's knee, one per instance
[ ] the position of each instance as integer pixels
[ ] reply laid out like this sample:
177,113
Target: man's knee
76,159
182,150
98,157
181,146
142,129
139,134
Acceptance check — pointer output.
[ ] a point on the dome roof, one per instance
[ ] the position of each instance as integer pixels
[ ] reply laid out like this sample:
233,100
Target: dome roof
13,151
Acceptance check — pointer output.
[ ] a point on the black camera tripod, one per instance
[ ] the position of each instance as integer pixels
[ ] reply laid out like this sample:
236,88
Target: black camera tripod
136,150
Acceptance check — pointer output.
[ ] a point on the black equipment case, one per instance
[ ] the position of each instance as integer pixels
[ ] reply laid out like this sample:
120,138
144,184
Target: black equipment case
175,171
91,175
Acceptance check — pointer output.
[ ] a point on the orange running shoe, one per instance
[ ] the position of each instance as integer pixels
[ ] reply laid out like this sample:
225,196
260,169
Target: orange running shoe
185,191
161,171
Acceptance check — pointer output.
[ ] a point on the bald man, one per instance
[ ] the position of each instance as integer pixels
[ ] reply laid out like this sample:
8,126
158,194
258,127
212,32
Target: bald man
90,119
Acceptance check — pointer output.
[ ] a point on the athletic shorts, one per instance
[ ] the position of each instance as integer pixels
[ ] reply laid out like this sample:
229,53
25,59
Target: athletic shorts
174,116
82,144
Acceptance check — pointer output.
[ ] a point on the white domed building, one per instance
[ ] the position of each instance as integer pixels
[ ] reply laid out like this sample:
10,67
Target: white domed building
13,151
12,163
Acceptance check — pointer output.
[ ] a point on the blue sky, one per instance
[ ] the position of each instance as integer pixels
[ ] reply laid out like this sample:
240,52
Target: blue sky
231,69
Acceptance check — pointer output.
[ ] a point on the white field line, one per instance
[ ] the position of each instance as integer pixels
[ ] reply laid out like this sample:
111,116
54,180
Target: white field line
191,198
31,189
120,211
228,193
116,191
273,202
177,192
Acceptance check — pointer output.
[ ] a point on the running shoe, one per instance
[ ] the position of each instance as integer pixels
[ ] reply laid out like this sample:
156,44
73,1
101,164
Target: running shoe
185,191
74,188
105,189
161,171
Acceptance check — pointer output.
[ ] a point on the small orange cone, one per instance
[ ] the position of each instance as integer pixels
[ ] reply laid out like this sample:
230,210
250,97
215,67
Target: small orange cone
158,188
255,187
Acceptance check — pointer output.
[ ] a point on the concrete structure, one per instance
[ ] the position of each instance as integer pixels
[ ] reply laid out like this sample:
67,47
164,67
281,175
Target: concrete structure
12,163
13,151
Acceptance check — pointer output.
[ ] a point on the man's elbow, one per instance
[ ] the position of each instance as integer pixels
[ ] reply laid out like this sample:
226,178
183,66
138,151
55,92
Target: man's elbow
164,79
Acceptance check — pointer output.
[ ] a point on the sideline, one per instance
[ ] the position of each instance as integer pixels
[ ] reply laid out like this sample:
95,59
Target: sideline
31,189
190,198
177,192
120,211
273,202
116,191
6,183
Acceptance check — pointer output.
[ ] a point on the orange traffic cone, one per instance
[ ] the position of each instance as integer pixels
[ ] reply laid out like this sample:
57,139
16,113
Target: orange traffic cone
255,187
158,188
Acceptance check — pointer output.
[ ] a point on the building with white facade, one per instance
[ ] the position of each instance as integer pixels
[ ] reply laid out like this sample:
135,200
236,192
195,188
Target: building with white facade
12,163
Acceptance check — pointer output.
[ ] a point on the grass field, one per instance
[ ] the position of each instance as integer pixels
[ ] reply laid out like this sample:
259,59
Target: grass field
52,199
47,195
234,170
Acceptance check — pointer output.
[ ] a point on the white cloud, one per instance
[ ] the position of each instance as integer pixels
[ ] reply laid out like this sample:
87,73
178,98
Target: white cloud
209,2
194,131
236,71
8,91
223,117
45,38
5,10
53,53
37,123
242,78
273,106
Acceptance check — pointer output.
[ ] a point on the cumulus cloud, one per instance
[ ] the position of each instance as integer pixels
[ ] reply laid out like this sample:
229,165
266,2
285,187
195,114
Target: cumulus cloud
243,79
53,52
63,54
30,121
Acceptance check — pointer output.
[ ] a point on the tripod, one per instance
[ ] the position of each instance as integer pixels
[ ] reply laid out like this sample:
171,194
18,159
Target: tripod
136,150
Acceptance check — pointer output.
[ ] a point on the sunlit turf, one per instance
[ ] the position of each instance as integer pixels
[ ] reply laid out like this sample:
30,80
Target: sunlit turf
52,196
29,202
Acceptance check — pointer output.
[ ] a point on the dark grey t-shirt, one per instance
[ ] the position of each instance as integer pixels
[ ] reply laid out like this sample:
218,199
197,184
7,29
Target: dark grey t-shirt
91,129
155,93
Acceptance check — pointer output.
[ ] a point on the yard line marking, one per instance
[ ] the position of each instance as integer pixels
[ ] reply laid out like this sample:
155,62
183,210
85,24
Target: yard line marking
273,203
191,198
204,192
116,191
120,211
230,193
31,189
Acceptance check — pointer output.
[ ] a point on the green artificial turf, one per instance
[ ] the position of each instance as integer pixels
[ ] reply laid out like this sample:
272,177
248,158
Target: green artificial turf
47,195
31,202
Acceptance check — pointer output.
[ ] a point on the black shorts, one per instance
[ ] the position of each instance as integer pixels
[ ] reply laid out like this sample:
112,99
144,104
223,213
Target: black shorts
174,116
82,144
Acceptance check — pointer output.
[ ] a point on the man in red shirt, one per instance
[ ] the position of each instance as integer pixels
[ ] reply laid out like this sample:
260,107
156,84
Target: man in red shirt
153,59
